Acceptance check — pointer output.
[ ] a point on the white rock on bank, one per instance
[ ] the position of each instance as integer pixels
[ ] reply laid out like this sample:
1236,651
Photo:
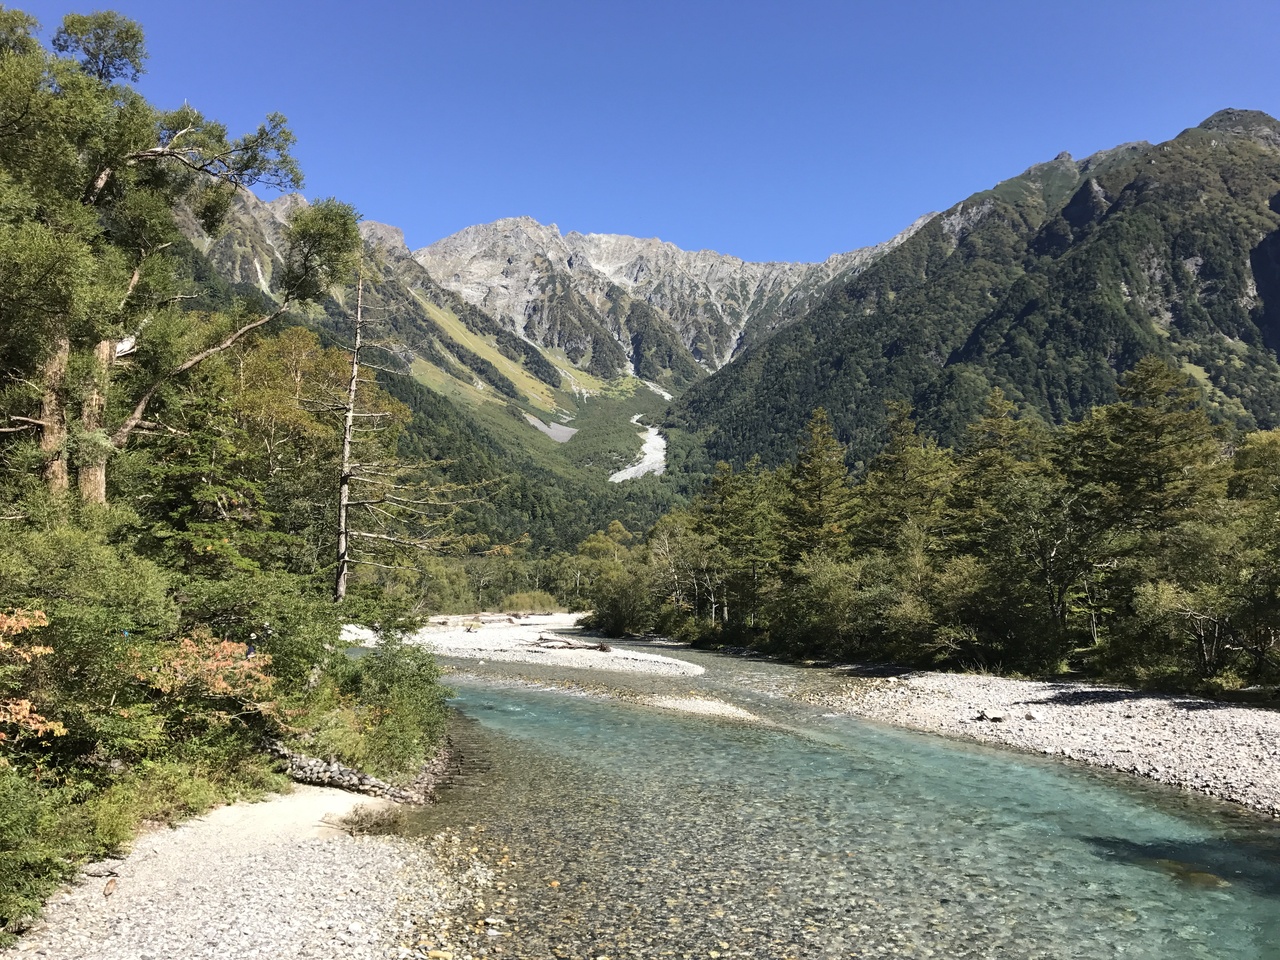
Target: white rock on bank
518,640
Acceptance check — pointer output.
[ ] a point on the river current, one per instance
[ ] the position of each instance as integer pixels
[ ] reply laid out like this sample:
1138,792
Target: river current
618,830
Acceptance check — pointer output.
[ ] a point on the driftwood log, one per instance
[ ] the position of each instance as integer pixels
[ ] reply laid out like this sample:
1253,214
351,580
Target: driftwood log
552,641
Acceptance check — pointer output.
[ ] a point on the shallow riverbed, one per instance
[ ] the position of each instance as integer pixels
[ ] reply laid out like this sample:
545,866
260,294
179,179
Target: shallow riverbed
621,830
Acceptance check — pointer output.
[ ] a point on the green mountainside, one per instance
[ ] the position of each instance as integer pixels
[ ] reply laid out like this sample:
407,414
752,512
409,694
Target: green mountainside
485,401
1049,285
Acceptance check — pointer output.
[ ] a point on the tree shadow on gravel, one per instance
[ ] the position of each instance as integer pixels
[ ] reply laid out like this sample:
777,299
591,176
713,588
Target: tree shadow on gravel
881,671
1073,696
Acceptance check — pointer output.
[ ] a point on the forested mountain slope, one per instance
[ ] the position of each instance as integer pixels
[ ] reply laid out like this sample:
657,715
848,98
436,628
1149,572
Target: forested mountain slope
470,383
1049,285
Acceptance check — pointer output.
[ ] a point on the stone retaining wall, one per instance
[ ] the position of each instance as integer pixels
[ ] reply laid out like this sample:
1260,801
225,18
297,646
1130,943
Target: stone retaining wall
330,773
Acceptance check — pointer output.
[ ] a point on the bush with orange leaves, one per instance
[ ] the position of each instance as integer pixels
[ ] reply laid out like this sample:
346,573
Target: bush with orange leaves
18,712
217,679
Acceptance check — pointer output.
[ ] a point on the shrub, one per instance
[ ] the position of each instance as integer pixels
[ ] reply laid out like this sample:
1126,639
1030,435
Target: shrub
383,712
32,862
621,607
529,601
400,686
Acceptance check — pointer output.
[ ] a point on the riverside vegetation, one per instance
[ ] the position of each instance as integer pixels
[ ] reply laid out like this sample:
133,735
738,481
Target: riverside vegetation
1136,543
169,481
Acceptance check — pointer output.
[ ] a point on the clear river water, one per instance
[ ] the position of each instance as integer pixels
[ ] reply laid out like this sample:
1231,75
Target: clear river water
617,830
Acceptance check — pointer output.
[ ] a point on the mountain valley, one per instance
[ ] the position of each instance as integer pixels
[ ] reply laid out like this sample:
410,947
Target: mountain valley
1049,285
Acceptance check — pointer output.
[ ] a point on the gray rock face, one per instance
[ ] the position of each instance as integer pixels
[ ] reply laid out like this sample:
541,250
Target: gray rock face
1251,124
525,272
249,247
385,237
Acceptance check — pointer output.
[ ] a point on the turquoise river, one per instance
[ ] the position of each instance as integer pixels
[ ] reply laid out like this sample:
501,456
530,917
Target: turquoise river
618,830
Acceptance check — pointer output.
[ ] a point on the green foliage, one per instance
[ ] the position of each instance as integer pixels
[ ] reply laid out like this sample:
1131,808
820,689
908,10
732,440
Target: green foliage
32,861
400,685
324,243
606,570
605,441
529,601
108,45
168,480
383,711
819,506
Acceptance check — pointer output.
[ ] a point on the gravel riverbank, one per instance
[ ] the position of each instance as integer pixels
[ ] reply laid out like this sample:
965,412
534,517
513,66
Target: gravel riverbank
277,879
546,639
1227,751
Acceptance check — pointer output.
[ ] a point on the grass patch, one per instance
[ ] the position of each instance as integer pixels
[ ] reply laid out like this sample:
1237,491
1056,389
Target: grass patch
530,387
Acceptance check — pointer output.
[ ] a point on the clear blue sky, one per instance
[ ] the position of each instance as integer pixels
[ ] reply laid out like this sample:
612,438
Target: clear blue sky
768,130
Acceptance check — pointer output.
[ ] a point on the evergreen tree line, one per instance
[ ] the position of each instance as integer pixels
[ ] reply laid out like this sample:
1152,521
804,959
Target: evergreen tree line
1138,542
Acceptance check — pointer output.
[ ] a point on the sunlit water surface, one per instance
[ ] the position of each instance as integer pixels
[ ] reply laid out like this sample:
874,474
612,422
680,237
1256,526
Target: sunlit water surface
621,831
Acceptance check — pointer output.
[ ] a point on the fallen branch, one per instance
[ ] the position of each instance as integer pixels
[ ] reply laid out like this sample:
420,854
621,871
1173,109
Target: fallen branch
551,641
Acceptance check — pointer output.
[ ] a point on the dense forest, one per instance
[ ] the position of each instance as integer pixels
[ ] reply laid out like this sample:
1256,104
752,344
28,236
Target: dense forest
170,452
1137,542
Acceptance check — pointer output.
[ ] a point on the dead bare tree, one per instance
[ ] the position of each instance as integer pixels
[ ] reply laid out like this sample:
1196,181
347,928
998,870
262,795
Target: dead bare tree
384,509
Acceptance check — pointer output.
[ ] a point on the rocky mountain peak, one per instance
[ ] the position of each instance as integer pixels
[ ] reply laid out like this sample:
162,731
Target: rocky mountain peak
533,277
284,205
1250,124
385,236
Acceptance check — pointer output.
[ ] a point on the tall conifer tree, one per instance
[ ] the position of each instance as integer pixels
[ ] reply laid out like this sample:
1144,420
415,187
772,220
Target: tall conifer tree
819,500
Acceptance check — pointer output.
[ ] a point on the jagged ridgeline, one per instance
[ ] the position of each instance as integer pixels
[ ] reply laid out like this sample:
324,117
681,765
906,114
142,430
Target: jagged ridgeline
601,305
616,304
1049,286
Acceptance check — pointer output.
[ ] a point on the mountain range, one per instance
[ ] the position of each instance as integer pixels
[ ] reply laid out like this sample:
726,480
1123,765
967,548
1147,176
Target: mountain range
1049,285
642,305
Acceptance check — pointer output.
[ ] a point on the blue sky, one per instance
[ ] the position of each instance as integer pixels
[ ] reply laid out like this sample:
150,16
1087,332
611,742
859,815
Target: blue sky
767,130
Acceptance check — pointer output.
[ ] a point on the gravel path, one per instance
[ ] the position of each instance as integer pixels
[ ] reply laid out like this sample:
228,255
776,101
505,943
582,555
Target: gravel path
273,880
1225,751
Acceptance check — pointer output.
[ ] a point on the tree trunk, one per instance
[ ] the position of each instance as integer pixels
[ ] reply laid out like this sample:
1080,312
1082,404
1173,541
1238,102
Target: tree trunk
93,466
348,428
53,430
